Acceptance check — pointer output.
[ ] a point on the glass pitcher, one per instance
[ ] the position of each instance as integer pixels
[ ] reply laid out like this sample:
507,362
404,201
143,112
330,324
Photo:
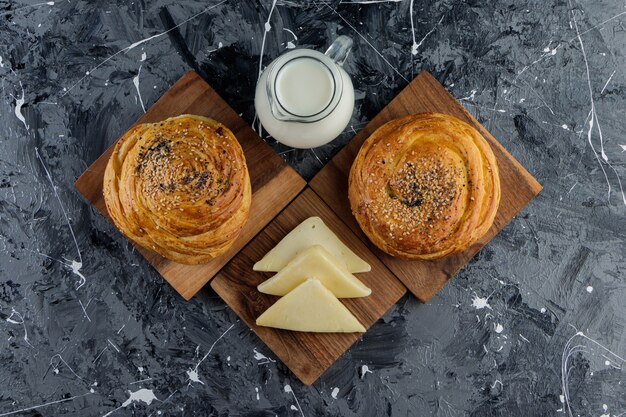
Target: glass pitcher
304,98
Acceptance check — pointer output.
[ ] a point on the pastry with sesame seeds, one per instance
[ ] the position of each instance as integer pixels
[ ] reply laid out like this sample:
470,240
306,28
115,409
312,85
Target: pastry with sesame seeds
424,186
179,187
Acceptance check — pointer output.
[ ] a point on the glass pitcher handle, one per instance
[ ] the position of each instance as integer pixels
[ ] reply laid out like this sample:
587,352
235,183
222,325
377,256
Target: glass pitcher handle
340,49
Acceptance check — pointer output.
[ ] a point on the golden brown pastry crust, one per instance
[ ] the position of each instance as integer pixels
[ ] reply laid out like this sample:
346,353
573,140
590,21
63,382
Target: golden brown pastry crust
179,187
424,186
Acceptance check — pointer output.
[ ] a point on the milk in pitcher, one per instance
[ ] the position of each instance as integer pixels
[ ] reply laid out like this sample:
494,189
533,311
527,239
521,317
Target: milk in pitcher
304,99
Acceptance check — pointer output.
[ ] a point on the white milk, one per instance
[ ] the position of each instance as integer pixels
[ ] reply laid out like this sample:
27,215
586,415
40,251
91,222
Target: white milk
304,99
304,86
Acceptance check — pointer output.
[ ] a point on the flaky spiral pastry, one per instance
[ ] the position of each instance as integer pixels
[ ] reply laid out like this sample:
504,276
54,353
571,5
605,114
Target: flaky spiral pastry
179,187
424,186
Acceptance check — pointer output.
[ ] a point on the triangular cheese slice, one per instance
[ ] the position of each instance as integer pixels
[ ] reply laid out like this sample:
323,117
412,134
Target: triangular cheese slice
315,262
310,232
310,307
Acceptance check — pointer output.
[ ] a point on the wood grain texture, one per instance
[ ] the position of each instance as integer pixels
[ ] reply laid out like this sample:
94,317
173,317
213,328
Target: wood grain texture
424,94
308,355
274,182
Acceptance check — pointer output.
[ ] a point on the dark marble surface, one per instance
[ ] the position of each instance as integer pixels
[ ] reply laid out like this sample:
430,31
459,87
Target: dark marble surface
533,326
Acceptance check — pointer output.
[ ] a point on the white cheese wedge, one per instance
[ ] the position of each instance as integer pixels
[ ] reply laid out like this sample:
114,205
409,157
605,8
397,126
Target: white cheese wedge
310,232
315,262
310,307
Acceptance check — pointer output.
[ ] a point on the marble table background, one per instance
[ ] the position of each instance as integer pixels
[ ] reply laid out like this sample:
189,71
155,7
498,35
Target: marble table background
533,326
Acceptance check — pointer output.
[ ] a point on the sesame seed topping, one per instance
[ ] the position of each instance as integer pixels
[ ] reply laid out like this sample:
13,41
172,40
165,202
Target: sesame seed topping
177,167
416,197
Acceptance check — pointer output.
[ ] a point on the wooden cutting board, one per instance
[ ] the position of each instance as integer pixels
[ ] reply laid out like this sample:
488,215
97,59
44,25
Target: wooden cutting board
274,183
308,355
424,94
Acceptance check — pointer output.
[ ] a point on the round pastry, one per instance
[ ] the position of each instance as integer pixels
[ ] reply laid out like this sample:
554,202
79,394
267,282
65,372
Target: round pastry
424,186
179,187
